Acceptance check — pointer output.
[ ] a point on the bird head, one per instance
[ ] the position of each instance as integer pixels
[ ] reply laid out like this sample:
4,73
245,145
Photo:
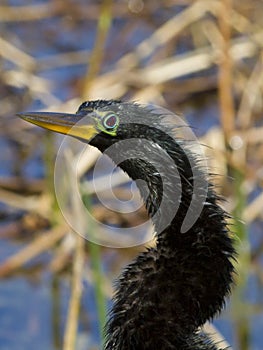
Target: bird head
139,143
99,123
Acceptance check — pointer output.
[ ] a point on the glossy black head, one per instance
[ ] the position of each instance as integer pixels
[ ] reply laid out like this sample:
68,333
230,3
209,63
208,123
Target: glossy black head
101,123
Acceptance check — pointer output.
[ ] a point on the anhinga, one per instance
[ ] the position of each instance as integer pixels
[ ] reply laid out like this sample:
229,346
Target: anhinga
169,291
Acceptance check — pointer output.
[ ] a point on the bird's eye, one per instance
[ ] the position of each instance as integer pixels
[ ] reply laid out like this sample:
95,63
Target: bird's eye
110,121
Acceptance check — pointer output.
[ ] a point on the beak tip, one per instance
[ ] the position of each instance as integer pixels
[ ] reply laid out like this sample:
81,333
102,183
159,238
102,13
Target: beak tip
63,123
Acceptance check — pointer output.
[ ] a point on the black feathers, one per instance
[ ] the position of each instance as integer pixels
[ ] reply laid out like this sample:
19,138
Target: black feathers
91,105
164,296
168,292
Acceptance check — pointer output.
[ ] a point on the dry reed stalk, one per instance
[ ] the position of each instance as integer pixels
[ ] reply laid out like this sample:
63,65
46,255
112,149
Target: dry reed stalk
63,253
103,183
250,95
39,88
64,59
16,184
26,13
253,135
40,244
150,94
30,203
87,160
97,54
15,55
225,70
70,333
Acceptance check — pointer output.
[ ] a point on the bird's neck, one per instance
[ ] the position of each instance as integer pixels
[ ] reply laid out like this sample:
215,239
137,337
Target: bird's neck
167,183
172,289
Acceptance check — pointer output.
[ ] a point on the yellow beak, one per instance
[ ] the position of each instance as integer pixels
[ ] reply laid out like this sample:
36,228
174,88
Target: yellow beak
76,125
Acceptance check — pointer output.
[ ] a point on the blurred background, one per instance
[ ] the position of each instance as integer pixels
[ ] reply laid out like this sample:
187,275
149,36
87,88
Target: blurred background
202,59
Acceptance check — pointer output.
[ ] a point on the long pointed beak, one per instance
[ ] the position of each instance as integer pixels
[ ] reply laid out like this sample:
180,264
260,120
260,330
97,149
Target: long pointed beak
76,125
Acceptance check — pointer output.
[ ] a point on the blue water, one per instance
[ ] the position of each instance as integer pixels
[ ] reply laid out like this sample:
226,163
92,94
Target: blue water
33,312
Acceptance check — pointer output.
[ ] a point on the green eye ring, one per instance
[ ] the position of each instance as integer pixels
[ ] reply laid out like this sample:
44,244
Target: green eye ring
110,121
